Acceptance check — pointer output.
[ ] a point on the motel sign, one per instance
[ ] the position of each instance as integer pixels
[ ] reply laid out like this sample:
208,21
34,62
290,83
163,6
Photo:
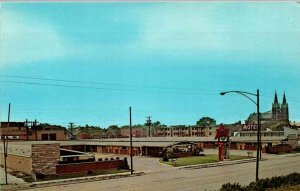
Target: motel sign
250,127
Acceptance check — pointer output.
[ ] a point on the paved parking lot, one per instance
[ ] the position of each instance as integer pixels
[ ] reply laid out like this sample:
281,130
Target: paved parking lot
145,164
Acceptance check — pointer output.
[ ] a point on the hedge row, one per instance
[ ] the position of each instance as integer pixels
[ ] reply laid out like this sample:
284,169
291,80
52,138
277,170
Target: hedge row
264,184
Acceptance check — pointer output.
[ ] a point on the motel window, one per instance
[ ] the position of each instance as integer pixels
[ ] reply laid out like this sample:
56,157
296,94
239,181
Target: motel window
52,136
44,137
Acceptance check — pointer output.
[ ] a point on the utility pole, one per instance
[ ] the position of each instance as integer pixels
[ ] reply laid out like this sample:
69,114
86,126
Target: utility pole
5,145
130,126
71,130
148,123
35,129
26,125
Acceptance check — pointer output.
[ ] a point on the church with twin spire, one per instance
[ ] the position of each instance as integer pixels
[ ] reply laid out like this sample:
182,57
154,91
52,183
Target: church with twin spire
279,112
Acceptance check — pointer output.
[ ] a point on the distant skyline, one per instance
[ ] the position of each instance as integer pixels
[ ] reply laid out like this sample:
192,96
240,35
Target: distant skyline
88,62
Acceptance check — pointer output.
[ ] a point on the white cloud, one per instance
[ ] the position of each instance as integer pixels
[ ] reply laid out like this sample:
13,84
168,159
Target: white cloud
25,39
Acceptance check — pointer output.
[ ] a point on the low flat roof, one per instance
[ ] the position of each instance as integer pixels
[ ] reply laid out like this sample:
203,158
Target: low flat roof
148,141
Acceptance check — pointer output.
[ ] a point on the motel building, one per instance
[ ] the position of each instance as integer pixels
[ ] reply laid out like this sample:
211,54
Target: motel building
75,156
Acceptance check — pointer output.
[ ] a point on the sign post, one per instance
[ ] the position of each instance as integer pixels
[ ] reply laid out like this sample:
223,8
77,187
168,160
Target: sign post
223,142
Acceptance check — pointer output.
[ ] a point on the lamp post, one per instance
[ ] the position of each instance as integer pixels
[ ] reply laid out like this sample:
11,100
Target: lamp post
247,95
130,126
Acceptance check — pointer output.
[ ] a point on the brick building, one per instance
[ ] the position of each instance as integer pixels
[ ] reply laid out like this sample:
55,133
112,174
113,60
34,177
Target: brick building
185,131
136,132
19,131
47,158
88,134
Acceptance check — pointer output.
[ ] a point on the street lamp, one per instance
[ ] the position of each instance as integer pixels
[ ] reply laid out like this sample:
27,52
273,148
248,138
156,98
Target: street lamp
247,94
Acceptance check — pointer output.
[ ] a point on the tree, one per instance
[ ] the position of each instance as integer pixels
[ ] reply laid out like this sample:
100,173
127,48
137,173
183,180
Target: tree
113,131
156,124
206,122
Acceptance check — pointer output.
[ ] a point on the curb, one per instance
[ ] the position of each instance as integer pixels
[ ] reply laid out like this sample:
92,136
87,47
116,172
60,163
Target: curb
71,181
290,155
86,179
216,164
162,164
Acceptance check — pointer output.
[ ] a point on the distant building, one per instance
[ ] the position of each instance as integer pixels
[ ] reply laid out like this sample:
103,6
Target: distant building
279,112
88,133
185,131
136,132
295,124
20,131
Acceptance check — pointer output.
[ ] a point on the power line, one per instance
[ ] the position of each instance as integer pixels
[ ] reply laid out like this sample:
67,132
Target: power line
179,90
108,84
101,88
265,94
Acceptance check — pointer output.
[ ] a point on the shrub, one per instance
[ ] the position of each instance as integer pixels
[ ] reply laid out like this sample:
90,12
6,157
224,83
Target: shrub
232,187
256,186
293,179
165,159
265,184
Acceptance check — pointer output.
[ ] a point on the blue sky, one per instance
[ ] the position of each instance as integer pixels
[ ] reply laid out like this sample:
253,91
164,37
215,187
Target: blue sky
166,60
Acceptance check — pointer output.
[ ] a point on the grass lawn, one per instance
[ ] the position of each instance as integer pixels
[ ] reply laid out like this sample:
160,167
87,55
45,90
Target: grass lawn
184,161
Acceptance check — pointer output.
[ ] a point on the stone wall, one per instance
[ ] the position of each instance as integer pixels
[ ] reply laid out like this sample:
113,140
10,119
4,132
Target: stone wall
45,157
17,163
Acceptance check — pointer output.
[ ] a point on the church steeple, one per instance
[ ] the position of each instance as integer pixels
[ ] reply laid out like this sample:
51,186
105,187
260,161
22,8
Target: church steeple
284,99
276,100
284,109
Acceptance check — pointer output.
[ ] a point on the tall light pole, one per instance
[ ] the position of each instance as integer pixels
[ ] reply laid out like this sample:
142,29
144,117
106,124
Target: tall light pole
247,94
130,126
